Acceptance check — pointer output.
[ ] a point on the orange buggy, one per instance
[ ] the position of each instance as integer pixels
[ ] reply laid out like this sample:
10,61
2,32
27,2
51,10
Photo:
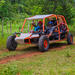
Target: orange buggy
60,32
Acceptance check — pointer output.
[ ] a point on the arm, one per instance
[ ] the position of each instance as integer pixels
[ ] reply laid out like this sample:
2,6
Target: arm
51,31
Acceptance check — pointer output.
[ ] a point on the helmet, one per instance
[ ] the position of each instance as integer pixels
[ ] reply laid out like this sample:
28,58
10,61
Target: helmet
40,22
50,22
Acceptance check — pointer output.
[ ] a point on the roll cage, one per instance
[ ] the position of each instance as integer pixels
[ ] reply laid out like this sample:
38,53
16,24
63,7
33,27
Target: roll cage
44,17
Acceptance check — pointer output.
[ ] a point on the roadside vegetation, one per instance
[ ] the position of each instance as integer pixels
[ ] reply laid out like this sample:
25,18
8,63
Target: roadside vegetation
53,62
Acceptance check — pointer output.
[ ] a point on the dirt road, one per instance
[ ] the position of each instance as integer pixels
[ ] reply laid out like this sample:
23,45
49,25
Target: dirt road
55,46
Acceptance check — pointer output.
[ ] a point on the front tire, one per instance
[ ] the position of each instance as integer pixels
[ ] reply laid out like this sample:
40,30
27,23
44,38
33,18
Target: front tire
70,38
11,43
43,43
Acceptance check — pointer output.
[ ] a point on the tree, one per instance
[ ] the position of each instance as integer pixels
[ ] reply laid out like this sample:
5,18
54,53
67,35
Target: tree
14,8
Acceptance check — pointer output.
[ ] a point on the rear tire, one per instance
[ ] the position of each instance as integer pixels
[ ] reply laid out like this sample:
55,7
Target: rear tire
70,38
43,43
11,43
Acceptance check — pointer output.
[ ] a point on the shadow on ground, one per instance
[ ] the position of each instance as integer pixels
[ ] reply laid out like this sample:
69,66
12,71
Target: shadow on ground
34,48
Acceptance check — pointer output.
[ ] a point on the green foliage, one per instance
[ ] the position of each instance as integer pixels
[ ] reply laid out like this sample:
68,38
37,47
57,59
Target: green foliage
16,8
5,9
68,54
53,62
10,70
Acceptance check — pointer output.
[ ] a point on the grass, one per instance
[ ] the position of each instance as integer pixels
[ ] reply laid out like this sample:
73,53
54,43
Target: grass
22,49
16,27
55,62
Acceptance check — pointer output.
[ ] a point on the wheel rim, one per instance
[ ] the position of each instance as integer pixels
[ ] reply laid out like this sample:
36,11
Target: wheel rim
71,39
45,43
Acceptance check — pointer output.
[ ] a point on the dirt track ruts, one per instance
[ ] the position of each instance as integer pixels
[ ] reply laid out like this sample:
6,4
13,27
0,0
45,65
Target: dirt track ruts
18,56
30,54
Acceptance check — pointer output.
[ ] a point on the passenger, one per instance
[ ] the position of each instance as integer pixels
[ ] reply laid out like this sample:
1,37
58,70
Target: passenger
38,26
62,27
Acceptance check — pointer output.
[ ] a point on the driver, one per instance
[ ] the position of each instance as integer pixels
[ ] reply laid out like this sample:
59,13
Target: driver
50,28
